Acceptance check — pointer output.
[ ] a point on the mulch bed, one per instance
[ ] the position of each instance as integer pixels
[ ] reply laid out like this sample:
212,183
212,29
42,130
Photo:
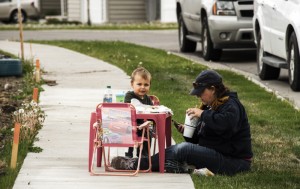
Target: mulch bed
9,87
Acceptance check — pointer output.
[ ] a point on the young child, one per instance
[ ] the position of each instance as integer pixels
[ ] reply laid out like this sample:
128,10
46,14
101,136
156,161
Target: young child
140,83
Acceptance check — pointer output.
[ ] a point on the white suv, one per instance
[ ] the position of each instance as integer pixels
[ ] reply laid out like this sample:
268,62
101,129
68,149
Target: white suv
277,31
217,24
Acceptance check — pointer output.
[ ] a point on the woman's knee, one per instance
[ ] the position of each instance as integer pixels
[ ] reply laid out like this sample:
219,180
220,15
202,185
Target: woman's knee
183,145
183,149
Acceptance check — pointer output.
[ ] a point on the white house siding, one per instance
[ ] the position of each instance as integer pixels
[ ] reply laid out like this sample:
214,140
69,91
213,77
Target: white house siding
121,11
168,11
98,11
74,10
126,11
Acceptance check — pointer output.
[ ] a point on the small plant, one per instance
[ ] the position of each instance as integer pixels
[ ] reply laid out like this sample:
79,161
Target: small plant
29,81
28,67
31,118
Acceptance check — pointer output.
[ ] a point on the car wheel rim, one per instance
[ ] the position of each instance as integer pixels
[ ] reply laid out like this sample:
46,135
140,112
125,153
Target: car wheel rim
204,42
260,55
16,19
292,62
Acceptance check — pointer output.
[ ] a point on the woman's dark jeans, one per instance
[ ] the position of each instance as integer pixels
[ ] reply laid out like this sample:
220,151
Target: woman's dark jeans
198,156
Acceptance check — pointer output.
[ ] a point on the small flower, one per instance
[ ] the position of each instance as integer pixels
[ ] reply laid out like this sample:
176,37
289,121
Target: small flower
33,103
21,111
41,119
140,63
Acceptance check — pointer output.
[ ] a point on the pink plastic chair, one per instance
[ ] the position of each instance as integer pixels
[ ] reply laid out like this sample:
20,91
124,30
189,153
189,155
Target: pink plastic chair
113,125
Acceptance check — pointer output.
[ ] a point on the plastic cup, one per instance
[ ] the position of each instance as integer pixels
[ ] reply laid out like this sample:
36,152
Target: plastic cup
190,122
120,97
188,131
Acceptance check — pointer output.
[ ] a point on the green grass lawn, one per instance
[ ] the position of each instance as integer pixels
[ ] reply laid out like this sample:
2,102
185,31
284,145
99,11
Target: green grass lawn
70,26
275,124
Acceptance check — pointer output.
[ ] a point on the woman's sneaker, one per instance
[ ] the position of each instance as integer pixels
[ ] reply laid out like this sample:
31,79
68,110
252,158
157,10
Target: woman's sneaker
123,163
173,166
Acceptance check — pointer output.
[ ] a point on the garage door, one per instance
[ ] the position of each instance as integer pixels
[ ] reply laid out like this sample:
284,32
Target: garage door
50,7
126,11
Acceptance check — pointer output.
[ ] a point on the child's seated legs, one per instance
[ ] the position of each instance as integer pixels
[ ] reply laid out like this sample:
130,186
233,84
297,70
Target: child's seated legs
145,147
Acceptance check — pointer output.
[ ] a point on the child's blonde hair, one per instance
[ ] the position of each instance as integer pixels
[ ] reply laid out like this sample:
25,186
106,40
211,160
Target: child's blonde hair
141,71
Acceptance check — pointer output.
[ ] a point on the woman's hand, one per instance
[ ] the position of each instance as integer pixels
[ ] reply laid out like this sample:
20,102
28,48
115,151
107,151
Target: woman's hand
194,112
180,128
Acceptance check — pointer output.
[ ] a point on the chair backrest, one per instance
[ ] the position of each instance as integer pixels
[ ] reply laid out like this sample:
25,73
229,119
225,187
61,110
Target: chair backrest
118,123
154,99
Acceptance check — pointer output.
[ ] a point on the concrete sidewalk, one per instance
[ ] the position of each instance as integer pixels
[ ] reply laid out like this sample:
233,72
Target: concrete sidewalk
63,163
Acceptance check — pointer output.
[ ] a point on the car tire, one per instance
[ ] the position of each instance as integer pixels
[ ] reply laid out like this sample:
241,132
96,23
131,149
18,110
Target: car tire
293,61
14,17
185,44
208,50
265,71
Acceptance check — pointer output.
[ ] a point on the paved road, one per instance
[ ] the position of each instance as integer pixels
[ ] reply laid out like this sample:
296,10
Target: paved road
242,61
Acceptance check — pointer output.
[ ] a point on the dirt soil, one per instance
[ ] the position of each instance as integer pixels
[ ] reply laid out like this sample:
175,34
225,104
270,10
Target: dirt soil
9,87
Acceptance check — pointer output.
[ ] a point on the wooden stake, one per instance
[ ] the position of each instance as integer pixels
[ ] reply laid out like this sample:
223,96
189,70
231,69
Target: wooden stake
21,32
38,71
14,154
35,94
37,62
31,55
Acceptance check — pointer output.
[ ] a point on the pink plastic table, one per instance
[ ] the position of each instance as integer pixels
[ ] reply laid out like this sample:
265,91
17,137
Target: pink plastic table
163,127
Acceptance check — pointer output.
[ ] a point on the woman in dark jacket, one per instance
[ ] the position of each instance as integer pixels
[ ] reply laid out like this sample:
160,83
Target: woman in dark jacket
222,140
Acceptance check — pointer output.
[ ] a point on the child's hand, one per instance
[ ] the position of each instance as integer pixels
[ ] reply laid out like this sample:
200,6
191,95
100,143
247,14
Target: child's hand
145,124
